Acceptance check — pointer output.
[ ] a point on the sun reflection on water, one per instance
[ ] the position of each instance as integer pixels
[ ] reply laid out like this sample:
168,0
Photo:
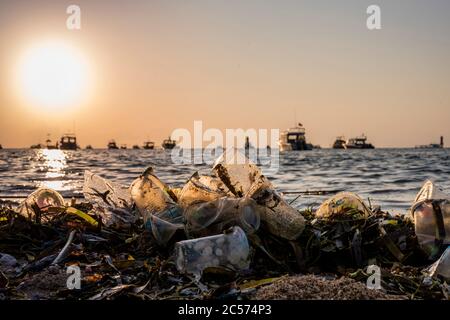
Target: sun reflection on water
54,162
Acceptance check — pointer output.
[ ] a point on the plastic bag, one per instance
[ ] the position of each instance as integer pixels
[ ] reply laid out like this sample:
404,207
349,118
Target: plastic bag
208,218
431,214
103,192
343,204
112,201
229,250
40,200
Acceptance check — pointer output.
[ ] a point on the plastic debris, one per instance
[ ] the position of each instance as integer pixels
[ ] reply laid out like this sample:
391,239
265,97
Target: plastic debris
112,201
208,218
431,214
150,194
343,204
39,201
156,203
238,173
279,217
103,192
229,250
442,266
163,225
196,191
244,179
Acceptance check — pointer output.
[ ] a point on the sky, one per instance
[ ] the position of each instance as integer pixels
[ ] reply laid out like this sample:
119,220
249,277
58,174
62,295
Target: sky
155,66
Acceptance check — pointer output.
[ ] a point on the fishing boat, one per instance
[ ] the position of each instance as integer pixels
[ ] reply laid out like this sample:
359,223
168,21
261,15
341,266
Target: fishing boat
169,144
123,146
89,147
432,145
359,143
112,145
148,145
340,143
68,142
294,139
136,147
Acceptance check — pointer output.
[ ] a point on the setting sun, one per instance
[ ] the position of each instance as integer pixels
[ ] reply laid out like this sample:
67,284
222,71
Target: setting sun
53,75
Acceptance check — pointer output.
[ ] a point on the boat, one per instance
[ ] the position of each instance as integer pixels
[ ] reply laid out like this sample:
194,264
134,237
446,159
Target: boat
123,146
148,145
432,145
68,142
50,146
1,147
359,143
340,143
294,139
36,146
136,147
112,145
169,144
89,147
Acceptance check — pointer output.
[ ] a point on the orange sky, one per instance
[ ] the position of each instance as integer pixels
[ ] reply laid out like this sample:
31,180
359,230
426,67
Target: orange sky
160,65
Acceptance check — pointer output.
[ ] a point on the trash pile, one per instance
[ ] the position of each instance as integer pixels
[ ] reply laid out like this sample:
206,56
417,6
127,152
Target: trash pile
227,235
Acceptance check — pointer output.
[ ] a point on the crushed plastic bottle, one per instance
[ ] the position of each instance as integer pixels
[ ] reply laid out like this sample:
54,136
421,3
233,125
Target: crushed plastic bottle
104,192
238,173
230,250
441,267
208,218
244,179
279,217
40,200
196,191
343,204
431,214
150,194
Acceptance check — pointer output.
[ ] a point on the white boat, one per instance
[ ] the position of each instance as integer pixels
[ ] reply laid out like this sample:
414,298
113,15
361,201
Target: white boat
294,139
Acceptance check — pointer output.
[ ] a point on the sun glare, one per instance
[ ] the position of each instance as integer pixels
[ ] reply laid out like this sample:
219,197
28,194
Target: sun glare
53,75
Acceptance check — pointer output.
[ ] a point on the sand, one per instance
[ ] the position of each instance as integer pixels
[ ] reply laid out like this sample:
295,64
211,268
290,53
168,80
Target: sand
311,287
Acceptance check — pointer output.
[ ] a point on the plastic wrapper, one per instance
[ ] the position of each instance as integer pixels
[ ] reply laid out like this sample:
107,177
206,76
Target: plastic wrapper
112,201
208,218
150,194
343,204
229,250
195,190
104,192
238,173
431,214
39,201
278,216
441,268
